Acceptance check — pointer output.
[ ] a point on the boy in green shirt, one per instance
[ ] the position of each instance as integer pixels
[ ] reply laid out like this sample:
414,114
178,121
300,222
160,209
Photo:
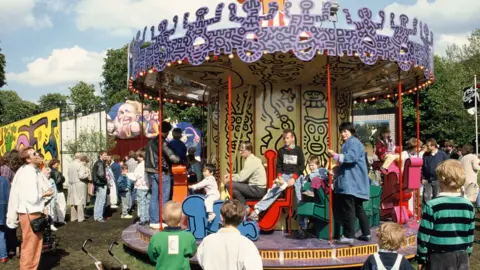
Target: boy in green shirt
172,248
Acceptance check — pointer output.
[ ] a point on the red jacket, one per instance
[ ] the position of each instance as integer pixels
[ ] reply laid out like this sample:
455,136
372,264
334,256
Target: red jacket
382,148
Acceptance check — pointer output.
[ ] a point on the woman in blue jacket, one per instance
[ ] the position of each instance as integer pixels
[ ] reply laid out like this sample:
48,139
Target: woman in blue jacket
352,186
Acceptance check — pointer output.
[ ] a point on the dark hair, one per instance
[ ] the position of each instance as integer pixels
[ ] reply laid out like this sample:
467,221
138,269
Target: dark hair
432,141
247,145
131,154
177,133
124,167
210,167
191,154
287,131
166,127
102,152
314,159
233,213
116,158
24,155
467,149
140,153
450,143
53,162
347,126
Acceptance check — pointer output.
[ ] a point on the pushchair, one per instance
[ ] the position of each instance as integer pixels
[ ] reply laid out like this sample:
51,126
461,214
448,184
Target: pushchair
50,240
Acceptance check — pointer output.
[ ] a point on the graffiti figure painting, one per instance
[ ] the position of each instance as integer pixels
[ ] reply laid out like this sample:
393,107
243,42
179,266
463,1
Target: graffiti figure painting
42,132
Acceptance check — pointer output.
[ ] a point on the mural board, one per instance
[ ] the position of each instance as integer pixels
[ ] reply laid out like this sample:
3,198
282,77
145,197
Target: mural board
42,132
370,124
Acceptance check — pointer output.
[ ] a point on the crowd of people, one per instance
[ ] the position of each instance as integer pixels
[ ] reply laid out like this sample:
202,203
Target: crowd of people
32,190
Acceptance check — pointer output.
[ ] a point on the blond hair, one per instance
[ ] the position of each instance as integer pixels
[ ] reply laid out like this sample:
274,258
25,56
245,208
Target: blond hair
391,236
451,174
172,213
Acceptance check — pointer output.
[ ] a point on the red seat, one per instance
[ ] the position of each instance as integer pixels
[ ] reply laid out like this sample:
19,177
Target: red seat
391,188
270,217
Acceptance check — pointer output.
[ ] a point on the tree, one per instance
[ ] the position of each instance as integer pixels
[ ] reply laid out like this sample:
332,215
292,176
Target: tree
52,101
82,95
90,143
3,64
15,108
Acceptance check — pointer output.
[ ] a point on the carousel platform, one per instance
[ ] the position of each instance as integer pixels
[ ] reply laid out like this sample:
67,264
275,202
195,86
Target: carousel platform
280,251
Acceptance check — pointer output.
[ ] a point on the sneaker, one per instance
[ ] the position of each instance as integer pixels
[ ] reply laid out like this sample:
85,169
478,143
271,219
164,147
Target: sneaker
345,241
301,234
279,181
211,217
253,216
101,220
113,206
365,238
155,226
53,228
127,217
308,193
3,260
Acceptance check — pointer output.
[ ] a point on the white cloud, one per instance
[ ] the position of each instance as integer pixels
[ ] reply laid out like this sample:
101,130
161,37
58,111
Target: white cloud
63,66
126,17
16,14
450,21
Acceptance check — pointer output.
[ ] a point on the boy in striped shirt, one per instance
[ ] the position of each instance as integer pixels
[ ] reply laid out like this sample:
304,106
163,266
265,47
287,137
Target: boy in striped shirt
445,237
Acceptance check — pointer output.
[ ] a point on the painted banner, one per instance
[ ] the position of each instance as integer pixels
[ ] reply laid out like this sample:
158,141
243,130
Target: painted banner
42,132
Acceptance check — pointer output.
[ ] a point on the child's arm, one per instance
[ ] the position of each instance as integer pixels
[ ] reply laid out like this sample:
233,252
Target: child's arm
423,237
152,252
200,184
193,246
472,236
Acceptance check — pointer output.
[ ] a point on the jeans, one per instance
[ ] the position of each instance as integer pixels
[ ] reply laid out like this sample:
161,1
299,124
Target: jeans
100,200
273,193
3,242
477,204
430,190
143,201
154,201
132,200
126,198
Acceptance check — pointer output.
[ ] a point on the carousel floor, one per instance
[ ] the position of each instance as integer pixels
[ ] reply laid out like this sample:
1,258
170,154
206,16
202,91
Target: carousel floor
280,251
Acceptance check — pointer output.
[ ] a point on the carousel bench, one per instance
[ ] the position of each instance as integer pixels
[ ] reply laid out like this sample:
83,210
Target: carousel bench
269,218
318,209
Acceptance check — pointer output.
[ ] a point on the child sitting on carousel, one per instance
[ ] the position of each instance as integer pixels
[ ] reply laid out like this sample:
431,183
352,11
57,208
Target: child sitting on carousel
391,162
318,177
210,185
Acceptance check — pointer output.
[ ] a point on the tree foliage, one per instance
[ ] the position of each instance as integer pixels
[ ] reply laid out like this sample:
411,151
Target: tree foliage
52,101
83,97
14,108
3,64
90,143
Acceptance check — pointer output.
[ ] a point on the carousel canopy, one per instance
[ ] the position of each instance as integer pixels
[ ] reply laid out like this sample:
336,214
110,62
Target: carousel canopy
296,52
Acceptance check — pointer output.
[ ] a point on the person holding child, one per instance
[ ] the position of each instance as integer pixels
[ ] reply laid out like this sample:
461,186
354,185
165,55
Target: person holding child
391,237
290,166
447,227
209,184
228,249
172,248
352,186
125,191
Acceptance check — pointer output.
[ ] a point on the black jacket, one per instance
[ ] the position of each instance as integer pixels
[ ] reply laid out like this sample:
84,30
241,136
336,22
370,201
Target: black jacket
58,178
290,161
151,157
99,174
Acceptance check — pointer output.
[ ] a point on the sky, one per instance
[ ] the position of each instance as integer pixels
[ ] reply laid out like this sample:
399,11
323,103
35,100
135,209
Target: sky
50,45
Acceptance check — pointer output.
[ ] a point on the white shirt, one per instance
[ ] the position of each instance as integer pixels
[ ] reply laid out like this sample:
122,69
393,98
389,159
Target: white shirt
30,184
209,184
139,176
228,250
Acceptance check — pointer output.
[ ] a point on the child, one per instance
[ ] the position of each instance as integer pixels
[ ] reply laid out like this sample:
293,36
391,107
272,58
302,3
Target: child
318,177
142,186
178,147
124,190
173,247
211,189
241,252
446,233
50,204
391,237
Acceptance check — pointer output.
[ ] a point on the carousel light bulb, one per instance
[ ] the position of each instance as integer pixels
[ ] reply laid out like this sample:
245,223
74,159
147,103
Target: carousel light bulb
230,56
164,99
421,67
178,101
388,96
356,54
141,74
179,62
169,64
366,100
207,58
150,71
265,52
193,104
355,102
248,53
131,78
186,103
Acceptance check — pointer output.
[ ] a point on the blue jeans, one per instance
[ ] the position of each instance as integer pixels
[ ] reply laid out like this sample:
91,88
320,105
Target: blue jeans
302,220
477,204
133,197
143,201
275,191
3,242
154,201
126,198
100,200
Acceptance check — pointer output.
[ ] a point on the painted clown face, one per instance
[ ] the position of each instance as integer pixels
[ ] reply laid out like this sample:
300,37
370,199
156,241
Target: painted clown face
127,114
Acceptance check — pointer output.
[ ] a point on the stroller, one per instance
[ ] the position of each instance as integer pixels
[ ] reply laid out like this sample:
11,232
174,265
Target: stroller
50,240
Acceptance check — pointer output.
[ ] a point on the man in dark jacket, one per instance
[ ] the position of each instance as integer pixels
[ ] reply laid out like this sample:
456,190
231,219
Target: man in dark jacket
151,168
99,177
431,159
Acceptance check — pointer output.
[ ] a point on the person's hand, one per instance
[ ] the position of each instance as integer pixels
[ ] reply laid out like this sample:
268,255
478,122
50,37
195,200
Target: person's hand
190,187
420,267
47,193
290,182
226,179
424,181
331,152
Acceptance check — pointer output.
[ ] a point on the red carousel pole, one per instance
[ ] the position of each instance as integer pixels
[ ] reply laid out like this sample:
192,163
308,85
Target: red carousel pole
230,158
160,156
418,146
400,141
330,179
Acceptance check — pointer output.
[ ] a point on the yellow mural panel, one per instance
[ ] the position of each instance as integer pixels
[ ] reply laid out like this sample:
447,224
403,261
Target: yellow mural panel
41,131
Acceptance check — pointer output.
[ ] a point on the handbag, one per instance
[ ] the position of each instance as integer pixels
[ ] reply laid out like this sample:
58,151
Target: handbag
39,224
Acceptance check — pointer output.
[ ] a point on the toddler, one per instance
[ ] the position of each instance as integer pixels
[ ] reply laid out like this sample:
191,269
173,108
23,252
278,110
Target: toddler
125,191
391,237
50,204
211,189
318,177
173,247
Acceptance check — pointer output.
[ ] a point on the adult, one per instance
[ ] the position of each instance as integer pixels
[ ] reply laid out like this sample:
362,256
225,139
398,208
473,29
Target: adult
5,169
228,249
27,201
151,168
131,162
352,186
99,177
251,182
384,144
78,175
116,168
470,163
431,159
61,204
4,194
449,147
112,198
411,150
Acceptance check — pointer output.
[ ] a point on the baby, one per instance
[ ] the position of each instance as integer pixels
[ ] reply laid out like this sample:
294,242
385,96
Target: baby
318,177
209,184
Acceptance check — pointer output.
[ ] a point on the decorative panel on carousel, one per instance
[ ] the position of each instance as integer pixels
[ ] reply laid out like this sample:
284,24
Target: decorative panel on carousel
213,136
343,102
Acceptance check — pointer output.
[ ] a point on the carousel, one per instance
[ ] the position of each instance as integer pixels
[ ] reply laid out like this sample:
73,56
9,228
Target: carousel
286,65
